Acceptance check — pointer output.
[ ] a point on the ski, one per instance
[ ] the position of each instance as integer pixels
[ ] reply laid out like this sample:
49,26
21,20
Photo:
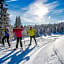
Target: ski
13,49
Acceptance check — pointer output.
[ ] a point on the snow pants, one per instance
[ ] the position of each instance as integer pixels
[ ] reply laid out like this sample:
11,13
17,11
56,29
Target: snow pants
33,38
6,37
19,40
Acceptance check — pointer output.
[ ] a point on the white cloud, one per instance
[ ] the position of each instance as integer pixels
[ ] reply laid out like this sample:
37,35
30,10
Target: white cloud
41,1
11,0
13,15
58,11
37,12
60,21
52,5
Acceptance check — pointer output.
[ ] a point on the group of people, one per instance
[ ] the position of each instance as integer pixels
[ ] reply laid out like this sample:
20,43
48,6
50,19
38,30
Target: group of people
18,32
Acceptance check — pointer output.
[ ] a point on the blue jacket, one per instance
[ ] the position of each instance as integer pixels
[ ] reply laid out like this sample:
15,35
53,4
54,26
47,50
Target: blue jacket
6,33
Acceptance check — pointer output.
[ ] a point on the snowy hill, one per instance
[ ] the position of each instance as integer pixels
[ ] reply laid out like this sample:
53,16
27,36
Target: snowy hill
49,51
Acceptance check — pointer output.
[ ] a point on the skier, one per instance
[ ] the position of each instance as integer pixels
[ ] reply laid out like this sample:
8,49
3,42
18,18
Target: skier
6,36
18,32
32,31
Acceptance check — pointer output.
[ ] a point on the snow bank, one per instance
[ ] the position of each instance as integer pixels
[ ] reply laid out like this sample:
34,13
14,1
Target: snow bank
59,48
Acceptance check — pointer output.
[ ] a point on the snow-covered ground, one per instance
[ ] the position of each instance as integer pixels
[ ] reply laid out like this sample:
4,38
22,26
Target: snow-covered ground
50,50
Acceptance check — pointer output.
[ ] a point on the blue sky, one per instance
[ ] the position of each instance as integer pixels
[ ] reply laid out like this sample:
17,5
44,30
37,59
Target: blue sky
36,11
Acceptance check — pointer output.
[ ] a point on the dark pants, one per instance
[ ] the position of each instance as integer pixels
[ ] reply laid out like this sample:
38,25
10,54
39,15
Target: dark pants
5,37
19,39
33,38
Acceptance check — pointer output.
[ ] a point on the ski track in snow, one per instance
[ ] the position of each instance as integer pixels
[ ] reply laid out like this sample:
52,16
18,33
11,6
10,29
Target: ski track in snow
44,53
59,49
46,57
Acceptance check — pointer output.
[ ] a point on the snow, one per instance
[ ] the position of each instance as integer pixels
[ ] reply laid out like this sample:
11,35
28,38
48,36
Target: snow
50,50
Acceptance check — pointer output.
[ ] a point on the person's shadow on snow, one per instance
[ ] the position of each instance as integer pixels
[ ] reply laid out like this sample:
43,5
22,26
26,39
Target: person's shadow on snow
17,58
4,58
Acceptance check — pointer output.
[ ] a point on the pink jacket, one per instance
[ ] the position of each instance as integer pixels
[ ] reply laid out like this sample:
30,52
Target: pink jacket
18,32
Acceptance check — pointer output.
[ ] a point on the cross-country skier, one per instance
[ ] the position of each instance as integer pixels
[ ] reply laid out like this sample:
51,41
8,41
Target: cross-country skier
6,36
18,32
32,31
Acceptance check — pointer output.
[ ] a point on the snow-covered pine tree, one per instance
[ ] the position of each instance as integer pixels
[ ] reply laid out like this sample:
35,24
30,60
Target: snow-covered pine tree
18,21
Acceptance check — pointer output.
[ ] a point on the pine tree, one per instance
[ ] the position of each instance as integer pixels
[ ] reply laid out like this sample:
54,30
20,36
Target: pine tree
17,21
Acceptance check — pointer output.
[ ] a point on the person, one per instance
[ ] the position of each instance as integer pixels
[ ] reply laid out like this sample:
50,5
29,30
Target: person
6,37
18,34
32,31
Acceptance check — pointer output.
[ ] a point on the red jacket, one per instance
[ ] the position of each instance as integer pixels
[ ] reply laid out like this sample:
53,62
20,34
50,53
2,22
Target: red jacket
18,32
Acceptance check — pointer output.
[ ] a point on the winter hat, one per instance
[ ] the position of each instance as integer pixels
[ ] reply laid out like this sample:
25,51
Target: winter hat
31,27
21,26
17,26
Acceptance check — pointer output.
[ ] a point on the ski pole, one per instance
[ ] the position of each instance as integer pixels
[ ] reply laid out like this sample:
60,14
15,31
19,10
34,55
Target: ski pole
24,43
